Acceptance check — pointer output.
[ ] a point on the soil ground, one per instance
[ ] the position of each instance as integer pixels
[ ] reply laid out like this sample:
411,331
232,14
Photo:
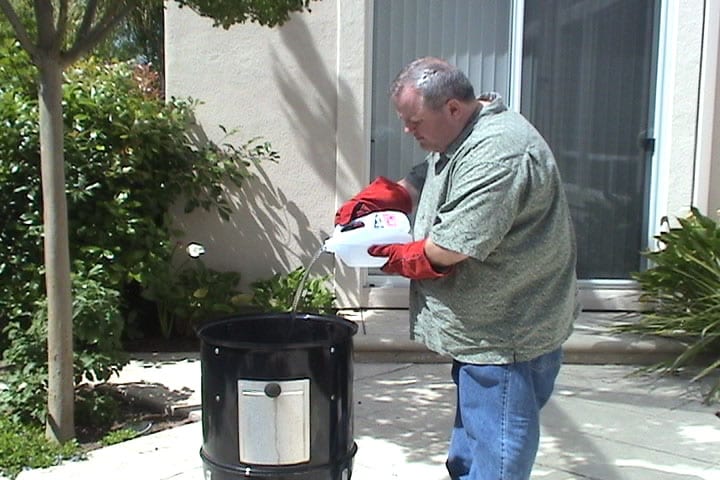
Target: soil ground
132,417
135,416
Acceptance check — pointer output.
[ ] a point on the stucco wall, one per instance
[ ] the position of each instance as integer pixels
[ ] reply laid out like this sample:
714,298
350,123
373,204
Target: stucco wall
280,84
305,87
690,114
679,106
707,170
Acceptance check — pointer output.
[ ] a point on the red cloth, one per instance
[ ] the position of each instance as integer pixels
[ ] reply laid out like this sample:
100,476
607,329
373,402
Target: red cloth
407,259
382,194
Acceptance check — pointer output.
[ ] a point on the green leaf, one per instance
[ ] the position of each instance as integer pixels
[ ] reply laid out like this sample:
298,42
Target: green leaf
683,286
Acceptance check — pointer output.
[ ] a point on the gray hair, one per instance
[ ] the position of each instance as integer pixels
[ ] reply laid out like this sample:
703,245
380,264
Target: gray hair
436,80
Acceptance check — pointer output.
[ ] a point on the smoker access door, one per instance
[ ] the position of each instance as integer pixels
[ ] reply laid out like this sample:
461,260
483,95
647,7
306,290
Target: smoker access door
274,421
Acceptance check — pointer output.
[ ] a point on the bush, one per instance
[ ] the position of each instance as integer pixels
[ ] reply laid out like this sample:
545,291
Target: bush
683,290
98,352
277,294
129,157
96,410
118,436
188,293
22,446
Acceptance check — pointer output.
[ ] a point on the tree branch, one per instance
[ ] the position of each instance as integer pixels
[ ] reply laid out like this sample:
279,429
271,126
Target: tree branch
62,20
88,17
45,25
84,44
20,31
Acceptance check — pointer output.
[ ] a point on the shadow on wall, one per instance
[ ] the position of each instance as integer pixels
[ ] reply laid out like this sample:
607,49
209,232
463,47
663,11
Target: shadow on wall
260,229
257,241
311,104
279,224
271,232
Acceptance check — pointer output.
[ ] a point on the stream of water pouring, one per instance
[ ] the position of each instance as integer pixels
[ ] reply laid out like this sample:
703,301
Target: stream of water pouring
301,285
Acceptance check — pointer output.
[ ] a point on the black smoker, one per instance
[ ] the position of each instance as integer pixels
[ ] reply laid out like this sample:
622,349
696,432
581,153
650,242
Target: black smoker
277,397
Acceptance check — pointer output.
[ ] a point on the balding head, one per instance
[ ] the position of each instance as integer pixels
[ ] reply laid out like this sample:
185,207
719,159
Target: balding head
436,80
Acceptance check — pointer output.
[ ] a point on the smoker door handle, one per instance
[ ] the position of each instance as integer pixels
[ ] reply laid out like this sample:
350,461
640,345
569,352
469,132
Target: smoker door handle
273,390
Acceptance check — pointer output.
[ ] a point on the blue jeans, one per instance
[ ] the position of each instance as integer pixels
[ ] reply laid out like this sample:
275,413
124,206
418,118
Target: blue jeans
497,417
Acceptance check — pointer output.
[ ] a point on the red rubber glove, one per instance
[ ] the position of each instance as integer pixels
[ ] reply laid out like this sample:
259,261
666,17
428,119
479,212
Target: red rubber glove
382,194
407,259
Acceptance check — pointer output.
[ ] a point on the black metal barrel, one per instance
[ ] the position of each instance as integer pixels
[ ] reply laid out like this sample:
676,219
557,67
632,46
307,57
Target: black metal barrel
277,397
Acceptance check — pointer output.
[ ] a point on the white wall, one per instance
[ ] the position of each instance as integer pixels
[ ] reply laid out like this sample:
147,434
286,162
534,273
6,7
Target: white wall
679,93
707,164
690,116
280,84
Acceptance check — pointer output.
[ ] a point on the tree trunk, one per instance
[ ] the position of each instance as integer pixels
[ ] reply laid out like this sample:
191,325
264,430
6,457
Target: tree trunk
60,420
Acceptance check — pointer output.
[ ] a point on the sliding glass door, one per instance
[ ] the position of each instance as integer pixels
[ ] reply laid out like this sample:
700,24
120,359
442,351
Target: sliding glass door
586,73
588,77
474,35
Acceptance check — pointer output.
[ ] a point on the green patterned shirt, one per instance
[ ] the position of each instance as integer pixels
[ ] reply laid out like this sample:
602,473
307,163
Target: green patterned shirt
496,196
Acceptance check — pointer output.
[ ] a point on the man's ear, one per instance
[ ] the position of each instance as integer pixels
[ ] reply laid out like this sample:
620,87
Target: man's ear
454,107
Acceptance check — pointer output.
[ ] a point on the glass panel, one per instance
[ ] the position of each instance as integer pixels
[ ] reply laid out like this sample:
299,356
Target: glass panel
588,76
472,34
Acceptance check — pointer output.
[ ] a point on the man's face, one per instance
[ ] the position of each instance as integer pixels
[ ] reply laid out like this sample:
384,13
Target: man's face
434,130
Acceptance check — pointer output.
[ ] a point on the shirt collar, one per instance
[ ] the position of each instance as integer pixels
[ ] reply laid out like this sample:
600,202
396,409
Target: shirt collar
496,105
455,144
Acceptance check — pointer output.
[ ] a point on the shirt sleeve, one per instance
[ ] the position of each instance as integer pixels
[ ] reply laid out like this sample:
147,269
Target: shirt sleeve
480,206
416,176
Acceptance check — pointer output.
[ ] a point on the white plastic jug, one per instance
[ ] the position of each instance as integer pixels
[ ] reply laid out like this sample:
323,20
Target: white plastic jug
350,242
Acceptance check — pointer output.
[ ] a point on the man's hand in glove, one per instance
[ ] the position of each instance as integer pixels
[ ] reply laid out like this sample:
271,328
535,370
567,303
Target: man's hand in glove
408,260
382,194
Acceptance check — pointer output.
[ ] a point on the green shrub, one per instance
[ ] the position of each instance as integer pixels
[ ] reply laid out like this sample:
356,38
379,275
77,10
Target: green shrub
683,290
118,436
188,293
96,410
129,157
20,216
98,351
25,399
23,446
277,294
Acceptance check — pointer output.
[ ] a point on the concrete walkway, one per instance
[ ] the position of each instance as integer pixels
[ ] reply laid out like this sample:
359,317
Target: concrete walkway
603,423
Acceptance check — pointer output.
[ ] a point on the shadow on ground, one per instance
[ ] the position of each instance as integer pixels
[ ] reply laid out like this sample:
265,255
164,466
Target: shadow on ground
154,397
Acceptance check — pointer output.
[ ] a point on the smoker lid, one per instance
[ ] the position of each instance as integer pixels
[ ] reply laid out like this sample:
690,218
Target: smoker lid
275,330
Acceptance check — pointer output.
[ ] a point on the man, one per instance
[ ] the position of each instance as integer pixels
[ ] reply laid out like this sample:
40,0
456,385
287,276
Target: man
492,265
